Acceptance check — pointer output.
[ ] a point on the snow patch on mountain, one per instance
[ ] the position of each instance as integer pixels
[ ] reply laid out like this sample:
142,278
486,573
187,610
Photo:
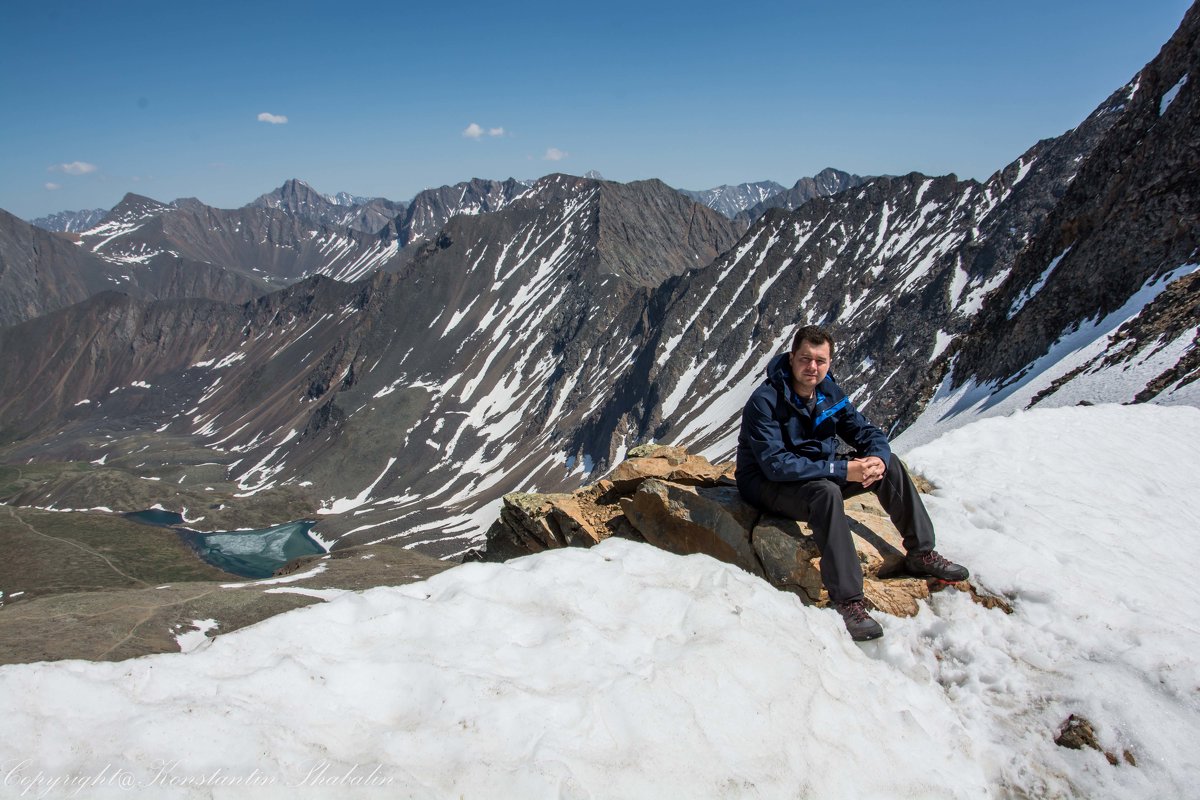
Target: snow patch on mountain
953,406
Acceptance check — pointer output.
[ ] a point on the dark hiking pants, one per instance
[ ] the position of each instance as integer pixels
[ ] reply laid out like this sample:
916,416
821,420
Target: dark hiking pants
820,504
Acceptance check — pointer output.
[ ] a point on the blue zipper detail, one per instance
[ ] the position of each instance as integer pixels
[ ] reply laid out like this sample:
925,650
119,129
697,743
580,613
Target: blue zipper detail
829,412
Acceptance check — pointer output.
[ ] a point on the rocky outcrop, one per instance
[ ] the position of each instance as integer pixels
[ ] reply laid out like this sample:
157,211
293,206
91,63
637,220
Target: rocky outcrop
669,463
685,519
682,503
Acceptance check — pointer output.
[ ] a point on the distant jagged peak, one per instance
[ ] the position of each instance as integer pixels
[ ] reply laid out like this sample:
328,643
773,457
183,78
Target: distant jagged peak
347,200
827,182
297,193
70,221
560,186
732,199
299,199
432,207
133,208
189,204
293,195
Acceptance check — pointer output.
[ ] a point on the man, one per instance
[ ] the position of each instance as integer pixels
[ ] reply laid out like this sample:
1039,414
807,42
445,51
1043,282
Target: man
787,464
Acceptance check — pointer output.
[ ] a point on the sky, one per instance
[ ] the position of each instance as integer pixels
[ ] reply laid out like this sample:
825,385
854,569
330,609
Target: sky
225,101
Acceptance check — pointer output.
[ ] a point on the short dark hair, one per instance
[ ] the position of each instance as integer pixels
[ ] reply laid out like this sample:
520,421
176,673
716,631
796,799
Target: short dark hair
814,335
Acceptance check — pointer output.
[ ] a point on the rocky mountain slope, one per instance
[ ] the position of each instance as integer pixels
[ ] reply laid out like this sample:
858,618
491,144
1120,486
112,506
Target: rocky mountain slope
273,245
1117,257
186,248
431,208
438,386
42,271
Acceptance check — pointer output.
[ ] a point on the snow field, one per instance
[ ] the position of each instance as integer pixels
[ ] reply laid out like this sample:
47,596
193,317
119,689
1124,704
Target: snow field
1083,516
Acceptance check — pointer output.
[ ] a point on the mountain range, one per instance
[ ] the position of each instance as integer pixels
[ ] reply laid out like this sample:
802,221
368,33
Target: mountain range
499,336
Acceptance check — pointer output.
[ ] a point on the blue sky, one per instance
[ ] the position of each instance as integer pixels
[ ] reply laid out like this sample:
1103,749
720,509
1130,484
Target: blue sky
164,99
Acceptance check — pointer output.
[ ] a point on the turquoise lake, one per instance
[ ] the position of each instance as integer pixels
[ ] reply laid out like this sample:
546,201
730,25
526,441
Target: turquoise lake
251,554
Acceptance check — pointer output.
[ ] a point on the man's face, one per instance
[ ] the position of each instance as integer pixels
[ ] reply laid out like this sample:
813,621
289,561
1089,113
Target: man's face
810,365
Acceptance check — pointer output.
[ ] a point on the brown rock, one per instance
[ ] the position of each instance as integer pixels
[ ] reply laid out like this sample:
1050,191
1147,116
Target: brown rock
866,503
684,520
684,504
1077,733
524,516
667,463
667,452
897,596
789,559
574,525
632,471
697,471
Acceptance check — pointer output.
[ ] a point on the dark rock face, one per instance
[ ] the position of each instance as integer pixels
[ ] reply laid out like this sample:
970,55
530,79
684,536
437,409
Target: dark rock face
364,214
649,232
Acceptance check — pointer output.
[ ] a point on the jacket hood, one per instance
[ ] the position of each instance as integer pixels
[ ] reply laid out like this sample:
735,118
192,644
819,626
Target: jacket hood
778,370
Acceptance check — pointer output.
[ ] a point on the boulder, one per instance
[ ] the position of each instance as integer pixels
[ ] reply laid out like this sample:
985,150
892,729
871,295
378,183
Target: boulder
682,503
575,526
687,519
523,520
674,464
789,559
530,523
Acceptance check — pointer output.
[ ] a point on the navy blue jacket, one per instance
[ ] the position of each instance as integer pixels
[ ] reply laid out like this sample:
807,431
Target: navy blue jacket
781,441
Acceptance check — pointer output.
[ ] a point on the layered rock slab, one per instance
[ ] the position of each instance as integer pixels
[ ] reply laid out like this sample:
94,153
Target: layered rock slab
680,502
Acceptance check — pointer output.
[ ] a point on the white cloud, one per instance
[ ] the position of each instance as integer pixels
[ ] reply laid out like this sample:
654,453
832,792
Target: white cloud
50,187
554,154
274,119
477,131
73,168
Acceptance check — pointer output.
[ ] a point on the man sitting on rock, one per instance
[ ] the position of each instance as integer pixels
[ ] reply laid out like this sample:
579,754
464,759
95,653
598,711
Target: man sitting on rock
788,464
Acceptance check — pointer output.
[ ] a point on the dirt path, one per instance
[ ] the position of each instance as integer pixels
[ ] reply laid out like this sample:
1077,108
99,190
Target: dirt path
12,513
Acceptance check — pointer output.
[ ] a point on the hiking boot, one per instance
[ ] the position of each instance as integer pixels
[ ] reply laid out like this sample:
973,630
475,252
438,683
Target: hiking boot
858,621
932,565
